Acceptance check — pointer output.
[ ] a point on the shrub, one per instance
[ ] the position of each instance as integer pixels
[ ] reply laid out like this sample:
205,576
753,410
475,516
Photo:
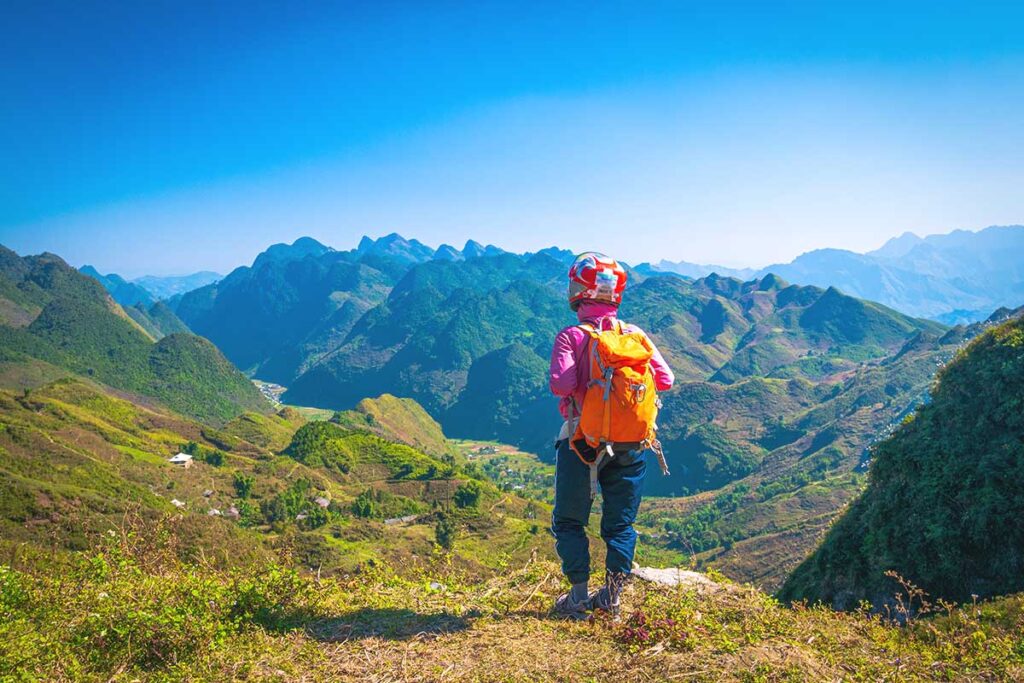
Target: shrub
380,504
243,485
445,531
468,495
214,457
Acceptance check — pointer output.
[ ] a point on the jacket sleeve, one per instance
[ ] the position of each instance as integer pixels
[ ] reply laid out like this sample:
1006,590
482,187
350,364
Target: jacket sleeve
663,376
562,374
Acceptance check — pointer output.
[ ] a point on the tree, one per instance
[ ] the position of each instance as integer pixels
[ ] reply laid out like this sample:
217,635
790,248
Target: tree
445,531
215,458
243,485
365,505
468,495
316,517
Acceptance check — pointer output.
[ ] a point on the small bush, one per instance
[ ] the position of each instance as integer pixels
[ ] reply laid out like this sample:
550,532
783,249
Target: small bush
243,485
468,495
445,531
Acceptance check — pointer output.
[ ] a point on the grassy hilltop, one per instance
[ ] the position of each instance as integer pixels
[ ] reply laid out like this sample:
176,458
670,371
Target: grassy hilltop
129,610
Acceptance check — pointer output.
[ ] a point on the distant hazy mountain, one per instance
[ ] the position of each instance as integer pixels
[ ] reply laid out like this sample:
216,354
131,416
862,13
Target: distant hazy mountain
696,270
124,292
956,278
164,287
152,315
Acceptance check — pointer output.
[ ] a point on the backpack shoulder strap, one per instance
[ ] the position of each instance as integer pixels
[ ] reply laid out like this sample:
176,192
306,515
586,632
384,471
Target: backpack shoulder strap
589,329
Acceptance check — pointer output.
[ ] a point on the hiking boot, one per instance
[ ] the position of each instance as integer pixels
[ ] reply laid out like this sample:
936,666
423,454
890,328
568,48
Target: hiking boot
606,598
568,607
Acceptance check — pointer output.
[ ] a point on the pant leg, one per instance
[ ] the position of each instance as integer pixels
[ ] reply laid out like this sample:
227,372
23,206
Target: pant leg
622,481
571,513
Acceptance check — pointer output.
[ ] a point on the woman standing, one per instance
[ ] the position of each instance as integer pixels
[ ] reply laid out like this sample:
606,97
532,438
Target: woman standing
584,460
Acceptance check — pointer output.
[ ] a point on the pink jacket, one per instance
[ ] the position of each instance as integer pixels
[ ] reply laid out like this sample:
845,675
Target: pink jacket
570,369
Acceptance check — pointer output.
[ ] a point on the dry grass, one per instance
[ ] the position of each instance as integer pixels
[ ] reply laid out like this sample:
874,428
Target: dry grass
438,622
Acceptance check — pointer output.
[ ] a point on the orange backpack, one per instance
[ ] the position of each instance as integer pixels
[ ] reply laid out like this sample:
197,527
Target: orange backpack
621,404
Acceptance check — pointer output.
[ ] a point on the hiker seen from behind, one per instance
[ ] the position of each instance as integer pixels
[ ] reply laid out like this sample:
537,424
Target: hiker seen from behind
607,374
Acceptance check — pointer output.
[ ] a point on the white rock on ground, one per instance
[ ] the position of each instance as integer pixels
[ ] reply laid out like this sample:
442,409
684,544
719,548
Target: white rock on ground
673,576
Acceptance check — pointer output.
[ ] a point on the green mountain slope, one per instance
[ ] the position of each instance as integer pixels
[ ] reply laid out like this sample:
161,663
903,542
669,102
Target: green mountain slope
437,321
80,329
293,305
944,500
398,419
78,460
158,319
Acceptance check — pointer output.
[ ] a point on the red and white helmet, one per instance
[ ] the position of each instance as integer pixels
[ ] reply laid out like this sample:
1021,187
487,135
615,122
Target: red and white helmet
595,277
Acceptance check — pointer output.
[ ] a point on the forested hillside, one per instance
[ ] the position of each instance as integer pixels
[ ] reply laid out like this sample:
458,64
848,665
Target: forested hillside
293,305
55,317
944,501
79,460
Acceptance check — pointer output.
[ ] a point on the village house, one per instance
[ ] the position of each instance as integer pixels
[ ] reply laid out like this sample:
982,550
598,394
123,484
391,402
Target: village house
182,459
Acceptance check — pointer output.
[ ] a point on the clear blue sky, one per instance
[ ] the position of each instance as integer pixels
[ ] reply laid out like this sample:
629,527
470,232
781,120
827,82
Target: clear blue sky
159,137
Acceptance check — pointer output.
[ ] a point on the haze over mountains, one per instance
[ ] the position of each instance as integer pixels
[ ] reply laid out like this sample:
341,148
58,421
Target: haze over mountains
959,277
150,288
955,278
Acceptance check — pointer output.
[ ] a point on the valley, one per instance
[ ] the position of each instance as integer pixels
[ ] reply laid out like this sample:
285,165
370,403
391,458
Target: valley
408,442
781,388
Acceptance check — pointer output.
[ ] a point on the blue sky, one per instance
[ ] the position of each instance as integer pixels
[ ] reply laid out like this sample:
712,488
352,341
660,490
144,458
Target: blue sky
164,137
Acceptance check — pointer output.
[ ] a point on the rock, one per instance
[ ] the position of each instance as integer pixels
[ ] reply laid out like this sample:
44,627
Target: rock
673,576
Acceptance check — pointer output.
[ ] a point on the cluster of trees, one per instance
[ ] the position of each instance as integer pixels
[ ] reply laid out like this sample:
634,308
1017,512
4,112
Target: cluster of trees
321,444
380,504
296,503
698,532
211,456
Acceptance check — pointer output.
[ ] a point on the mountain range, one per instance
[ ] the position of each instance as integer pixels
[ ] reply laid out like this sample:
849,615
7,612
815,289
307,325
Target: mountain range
123,563
781,389
959,277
